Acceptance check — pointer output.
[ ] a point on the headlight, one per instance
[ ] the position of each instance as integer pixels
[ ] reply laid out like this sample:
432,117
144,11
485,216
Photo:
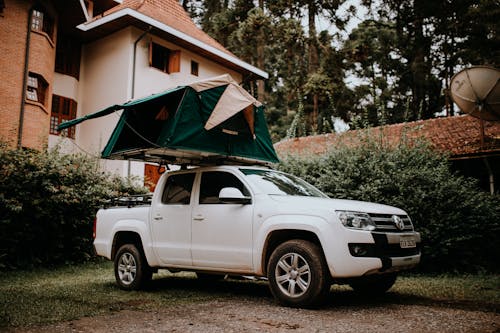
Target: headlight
356,220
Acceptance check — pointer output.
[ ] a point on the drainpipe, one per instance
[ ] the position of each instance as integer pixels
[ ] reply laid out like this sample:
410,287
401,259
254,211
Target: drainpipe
490,174
25,82
132,93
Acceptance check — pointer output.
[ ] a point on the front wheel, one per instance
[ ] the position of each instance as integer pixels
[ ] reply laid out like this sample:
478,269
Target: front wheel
373,284
132,271
298,274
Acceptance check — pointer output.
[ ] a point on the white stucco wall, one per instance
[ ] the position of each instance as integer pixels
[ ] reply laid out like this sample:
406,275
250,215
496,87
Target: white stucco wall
150,80
65,86
106,79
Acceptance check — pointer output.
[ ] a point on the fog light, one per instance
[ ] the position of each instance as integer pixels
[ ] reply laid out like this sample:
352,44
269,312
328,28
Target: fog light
358,250
362,250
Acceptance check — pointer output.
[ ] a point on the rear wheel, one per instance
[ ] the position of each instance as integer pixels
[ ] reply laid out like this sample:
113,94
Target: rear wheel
373,284
132,271
298,275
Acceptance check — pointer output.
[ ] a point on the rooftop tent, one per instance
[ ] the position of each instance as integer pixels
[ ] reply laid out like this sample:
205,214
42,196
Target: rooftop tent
206,122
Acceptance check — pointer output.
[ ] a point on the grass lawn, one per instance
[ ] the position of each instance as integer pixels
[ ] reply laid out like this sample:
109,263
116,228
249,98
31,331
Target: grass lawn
47,296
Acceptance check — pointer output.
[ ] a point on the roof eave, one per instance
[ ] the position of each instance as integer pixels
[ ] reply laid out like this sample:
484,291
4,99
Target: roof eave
87,26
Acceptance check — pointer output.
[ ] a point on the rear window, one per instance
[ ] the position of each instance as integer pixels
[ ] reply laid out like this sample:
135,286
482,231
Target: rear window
178,189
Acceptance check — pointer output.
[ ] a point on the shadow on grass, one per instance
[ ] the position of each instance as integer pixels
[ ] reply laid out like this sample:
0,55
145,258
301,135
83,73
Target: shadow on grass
258,291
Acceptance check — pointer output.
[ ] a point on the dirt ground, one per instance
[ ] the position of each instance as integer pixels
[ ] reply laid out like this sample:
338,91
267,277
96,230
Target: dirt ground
249,313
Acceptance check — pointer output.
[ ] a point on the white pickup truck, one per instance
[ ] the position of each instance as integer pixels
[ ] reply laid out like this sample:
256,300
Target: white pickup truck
254,221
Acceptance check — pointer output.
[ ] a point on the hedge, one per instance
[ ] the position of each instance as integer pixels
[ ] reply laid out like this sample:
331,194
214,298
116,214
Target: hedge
458,222
48,201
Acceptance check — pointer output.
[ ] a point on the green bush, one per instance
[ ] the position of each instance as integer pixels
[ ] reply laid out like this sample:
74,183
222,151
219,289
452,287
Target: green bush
48,201
458,223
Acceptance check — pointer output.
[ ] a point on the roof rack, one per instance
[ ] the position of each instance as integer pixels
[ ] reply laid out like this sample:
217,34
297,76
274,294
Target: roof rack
129,201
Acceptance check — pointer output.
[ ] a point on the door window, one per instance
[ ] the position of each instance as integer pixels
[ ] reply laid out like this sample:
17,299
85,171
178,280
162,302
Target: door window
213,182
178,189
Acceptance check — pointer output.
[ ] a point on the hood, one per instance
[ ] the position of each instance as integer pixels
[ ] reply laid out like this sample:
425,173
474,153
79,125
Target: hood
316,203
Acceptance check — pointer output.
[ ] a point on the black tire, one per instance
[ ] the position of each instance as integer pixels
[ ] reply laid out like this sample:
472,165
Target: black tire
373,284
298,275
132,271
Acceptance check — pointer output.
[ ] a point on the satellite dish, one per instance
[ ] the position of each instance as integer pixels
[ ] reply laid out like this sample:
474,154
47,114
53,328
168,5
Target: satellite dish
476,91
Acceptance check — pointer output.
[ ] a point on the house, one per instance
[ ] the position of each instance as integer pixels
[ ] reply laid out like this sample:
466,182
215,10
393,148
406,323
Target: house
64,59
472,153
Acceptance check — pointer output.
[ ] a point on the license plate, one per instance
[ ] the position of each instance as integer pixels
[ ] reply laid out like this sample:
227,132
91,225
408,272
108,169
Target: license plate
407,242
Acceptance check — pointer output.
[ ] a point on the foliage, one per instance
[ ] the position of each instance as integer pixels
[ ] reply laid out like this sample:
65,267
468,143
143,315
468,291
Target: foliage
394,65
47,204
456,220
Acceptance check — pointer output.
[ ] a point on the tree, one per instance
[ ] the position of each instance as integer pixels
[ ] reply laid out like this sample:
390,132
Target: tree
297,10
403,55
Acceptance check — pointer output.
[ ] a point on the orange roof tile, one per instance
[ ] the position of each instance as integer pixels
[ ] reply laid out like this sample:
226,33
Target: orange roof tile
171,13
459,136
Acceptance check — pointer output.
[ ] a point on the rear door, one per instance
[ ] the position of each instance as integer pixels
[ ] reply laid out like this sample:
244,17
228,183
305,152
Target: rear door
171,221
221,233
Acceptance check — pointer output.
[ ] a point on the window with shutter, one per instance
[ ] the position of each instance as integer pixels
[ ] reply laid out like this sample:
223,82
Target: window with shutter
42,22
63,109
36,88
164,59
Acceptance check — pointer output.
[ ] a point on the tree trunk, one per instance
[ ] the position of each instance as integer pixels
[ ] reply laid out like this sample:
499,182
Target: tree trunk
313,60
261,58
260,64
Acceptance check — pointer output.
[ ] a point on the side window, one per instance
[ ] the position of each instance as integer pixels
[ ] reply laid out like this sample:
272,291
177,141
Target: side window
213,182
177,190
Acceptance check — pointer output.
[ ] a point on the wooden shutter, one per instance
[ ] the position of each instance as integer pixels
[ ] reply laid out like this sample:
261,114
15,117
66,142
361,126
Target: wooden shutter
150,53
174,61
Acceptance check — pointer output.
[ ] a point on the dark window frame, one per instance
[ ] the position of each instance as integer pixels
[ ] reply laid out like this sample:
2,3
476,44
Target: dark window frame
63,109
42,22
36,88
195,66
164,59
68,55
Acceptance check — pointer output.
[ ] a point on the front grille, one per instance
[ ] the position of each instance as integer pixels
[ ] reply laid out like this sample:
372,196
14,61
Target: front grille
384,223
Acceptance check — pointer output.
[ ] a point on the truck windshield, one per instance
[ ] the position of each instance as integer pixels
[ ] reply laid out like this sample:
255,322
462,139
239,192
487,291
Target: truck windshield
278,183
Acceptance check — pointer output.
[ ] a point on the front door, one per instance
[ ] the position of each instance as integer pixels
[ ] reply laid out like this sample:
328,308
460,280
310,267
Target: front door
171,221
221,233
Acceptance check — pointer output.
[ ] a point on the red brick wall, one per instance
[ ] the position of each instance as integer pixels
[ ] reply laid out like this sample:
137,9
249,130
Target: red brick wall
13,29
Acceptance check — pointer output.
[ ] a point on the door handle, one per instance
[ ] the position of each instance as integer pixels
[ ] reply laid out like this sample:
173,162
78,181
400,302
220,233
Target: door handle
158,218
199,217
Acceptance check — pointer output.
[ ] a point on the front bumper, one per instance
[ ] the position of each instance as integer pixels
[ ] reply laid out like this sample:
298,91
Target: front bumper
388,248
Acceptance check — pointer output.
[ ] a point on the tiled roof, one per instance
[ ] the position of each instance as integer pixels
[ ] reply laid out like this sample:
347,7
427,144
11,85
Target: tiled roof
171,13
459,136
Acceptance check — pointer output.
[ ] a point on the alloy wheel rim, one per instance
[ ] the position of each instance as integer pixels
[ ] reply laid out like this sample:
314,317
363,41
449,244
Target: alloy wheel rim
127,268
293,275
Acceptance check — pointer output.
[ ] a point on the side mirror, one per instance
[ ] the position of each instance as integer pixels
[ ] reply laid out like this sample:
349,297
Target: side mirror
232,195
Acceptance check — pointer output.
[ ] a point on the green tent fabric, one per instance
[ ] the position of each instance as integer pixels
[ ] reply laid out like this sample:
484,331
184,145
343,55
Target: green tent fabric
171,127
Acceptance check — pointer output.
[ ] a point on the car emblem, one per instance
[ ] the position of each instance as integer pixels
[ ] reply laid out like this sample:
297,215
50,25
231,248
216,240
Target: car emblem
398,222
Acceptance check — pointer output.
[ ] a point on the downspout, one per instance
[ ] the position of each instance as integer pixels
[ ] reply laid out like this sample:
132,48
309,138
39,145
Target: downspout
25,82
132,93
490,175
